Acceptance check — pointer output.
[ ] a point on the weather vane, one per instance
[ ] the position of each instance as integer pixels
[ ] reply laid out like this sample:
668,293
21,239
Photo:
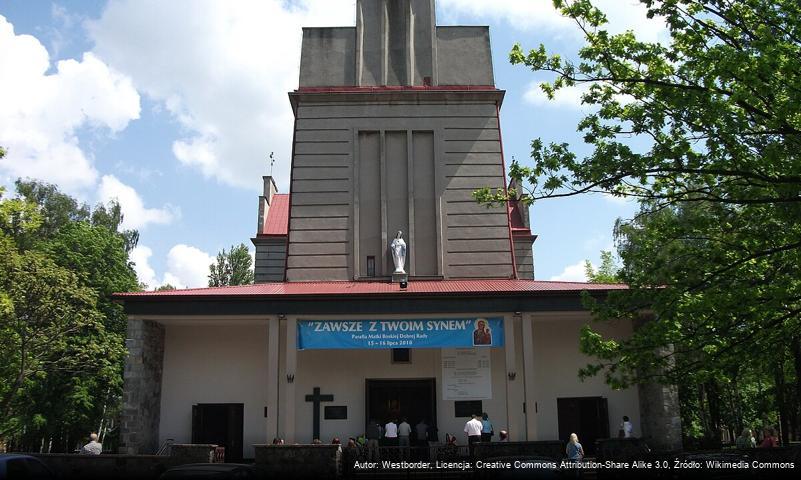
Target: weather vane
272,162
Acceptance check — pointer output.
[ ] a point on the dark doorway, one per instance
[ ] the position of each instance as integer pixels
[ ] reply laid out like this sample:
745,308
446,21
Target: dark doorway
220,424
395,399
587,417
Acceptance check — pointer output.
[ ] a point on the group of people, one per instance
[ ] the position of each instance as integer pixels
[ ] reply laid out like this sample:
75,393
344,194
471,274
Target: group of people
747,440
480,429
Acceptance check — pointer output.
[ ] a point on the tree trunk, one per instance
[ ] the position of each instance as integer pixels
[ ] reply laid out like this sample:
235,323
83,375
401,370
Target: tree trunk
781,402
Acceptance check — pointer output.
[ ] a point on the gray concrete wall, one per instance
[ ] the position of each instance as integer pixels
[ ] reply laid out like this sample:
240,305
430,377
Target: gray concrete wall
350,191
141,397
464,56
524,256
328,57
270,259
395,42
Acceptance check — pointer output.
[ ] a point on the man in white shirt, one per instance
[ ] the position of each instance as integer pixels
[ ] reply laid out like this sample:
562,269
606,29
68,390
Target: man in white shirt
404,431
391,433
93,447
473,430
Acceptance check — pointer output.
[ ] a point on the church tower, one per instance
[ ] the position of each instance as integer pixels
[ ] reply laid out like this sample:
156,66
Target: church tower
396,124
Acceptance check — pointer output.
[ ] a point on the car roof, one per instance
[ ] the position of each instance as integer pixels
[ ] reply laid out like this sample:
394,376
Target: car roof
8,456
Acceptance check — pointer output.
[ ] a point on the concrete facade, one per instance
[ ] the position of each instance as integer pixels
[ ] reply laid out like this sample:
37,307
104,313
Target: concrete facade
397,123
366,166
220,363
396,43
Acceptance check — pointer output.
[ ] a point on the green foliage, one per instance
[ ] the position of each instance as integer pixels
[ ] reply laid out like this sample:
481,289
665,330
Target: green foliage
607,272
61,335
232,268
713,254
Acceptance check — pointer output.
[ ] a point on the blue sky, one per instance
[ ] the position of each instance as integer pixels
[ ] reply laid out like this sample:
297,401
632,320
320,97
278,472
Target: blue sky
173,108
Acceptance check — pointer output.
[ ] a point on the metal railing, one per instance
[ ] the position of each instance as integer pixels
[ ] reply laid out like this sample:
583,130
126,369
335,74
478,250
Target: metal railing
165,447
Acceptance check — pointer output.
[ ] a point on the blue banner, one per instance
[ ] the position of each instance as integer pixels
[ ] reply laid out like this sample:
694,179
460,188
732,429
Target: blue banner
417,333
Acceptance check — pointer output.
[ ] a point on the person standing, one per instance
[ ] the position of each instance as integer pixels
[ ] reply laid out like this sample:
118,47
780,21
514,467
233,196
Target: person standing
486,428
473,431
745,440
422,433
93,447
404,430
626,428
373,435
575,452
391,433
770,440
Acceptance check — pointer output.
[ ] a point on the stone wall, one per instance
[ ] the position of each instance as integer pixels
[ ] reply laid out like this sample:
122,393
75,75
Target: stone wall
142,390
299,461
660,416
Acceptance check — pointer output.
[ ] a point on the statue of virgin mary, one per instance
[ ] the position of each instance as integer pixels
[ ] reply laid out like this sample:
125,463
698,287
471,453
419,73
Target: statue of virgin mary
398,250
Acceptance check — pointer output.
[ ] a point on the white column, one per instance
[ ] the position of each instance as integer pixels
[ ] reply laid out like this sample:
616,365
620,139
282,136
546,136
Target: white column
513,406
528,378
288,383
272,379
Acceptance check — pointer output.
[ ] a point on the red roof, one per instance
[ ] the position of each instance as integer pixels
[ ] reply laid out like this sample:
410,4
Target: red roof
277,221
415,287
393,88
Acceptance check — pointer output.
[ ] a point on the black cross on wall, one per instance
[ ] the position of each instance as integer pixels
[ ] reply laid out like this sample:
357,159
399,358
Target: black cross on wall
316,398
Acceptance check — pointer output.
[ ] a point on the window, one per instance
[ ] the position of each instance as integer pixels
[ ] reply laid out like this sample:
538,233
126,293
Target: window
371,266
466,408
401,355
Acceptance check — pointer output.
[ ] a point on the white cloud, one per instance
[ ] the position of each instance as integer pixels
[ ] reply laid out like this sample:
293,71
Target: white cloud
222,69
572,273
566,97
140,255
135,214
535,15
187,267
40,113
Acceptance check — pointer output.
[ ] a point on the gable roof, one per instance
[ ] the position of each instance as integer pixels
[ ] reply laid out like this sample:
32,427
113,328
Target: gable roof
277,221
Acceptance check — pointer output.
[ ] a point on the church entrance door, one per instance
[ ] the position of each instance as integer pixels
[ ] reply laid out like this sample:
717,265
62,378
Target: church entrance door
220,424
395,399
587,417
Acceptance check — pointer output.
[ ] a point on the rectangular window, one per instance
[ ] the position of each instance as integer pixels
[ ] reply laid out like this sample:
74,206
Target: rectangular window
371,266
466,408
401,355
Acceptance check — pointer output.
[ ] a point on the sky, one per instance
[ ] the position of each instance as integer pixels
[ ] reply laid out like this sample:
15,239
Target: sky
173,109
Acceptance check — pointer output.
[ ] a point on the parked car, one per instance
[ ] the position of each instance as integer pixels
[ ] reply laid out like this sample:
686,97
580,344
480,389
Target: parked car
211,471
15,466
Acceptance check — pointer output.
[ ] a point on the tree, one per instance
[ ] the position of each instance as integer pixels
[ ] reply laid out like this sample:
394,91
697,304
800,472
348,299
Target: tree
232,268
166,287
49,329
607,272
704,130
64,336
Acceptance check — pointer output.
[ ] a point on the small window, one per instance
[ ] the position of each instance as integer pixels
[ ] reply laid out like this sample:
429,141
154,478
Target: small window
401,355
371,266
466,408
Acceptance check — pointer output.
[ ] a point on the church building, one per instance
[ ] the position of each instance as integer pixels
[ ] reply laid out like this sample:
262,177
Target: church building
383,289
